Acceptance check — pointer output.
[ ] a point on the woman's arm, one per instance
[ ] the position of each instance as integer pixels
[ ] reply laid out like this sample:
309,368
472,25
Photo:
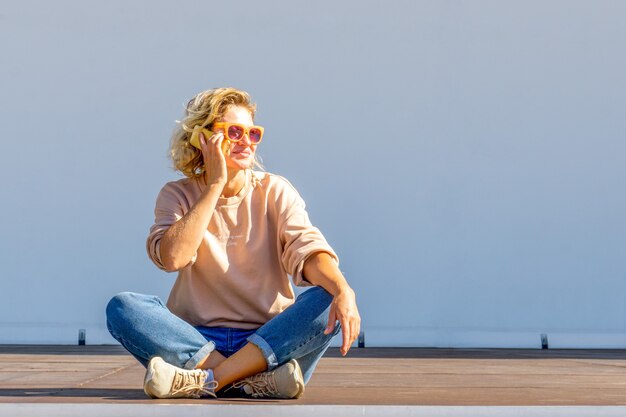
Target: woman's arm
181,240
321,269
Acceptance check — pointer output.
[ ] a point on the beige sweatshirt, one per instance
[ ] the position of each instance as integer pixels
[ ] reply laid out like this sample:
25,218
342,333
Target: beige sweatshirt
238,277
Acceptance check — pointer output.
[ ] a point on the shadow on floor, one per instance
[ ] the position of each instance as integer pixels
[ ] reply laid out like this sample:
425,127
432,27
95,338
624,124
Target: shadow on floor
112,394
375,352
108,394
62,350
446,353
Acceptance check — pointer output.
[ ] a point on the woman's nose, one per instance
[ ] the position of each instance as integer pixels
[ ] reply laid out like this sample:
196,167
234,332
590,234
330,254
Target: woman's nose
245,140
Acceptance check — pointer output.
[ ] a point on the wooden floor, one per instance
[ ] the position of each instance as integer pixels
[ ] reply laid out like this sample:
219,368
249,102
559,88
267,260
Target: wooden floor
381,376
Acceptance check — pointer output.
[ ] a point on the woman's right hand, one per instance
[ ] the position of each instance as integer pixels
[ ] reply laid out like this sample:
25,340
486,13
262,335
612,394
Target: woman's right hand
214,160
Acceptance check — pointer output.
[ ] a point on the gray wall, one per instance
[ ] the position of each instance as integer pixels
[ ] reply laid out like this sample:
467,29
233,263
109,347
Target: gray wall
465,158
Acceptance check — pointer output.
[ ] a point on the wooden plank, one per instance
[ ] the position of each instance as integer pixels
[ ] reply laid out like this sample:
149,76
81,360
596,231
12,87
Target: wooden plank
369,376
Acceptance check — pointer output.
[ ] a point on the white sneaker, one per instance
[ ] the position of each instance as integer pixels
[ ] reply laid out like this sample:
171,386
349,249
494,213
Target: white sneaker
286,381
168,381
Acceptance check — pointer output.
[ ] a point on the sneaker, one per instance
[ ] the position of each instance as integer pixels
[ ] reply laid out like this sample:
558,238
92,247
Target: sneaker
286,381
168,381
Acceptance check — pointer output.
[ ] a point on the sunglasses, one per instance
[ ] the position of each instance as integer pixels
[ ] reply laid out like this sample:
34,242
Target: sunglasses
234,132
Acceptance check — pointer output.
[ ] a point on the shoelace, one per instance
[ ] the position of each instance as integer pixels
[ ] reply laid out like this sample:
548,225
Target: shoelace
193,383
263,384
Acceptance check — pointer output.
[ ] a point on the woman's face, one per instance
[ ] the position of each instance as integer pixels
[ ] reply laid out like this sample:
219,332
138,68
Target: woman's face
241,154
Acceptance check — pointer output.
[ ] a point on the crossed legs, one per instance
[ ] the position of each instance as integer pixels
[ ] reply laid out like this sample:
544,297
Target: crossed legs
146,328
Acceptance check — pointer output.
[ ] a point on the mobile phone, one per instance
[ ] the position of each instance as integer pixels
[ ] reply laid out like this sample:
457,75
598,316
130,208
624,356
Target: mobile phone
195,138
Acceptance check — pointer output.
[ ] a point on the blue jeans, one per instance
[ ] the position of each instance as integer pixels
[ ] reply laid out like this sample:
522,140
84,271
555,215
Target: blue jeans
146,328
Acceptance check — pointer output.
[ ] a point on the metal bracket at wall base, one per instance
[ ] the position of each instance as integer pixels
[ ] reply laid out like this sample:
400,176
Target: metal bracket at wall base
82,336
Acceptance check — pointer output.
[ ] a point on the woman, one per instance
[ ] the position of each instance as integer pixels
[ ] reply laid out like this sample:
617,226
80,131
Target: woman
232,325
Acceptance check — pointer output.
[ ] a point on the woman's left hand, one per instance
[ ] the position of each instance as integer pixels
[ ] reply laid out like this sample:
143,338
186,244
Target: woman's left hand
343,309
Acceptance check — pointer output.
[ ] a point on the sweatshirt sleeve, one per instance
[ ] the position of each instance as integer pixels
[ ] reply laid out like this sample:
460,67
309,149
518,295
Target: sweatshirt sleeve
299,238
171,205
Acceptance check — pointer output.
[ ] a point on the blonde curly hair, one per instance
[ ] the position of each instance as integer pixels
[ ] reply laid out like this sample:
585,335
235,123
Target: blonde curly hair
204,109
